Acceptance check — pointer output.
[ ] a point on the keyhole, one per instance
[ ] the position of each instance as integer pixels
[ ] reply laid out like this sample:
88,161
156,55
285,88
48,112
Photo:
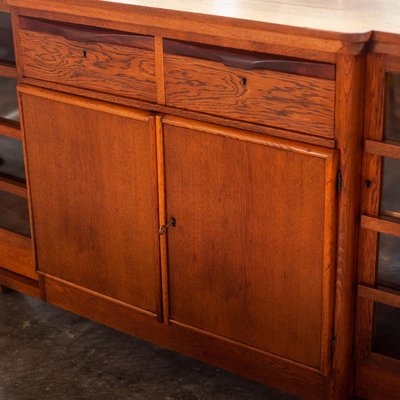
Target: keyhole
84,53
243,81
368,183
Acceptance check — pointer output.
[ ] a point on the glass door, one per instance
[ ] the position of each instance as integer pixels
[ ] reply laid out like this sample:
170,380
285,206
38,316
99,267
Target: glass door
378,304
15,244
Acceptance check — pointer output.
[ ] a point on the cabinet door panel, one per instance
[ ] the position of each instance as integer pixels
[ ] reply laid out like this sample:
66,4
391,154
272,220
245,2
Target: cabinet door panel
250,258
93,187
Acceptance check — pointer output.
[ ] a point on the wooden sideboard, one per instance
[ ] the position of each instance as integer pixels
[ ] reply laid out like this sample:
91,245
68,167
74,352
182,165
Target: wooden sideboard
212,183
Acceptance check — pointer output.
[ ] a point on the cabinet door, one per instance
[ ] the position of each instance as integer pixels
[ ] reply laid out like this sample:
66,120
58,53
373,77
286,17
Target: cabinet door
377,338
92,175
251,256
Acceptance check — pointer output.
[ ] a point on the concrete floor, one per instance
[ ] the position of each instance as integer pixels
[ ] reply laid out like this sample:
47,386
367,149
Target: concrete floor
49,354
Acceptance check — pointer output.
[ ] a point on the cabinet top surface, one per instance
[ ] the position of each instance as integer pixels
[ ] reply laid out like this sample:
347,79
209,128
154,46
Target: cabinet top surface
340,16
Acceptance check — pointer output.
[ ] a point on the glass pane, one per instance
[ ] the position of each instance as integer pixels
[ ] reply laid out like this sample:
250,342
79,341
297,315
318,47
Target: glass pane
389,261
11,158
6,40
14,215
387,331
391,185
392,117
8,99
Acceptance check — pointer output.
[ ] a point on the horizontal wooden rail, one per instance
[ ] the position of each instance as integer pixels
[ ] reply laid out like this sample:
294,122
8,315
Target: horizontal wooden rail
10,128
384,149
8,71
19,283
391,214
380,225
4,7
16,254
380,296
14,187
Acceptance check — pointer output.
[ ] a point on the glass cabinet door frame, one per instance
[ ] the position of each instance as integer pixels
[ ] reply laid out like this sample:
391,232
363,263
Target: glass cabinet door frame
16,250
375,373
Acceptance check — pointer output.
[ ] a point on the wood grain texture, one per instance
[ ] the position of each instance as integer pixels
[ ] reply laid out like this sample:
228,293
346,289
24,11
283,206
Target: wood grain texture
4,7
271,297
158,108
104,230
10,129
272,98
377,381
349,129
159,54
89,64
383,149
370,203
19,283
380,225
162,219
381,296
8,71
250,60
13,187
249,362
191,25
16,254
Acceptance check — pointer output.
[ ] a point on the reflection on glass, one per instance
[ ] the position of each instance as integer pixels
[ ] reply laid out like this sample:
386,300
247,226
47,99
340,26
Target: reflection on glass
14,214
387,331
6,40
11,158
8,99
391,185
392,109
389,261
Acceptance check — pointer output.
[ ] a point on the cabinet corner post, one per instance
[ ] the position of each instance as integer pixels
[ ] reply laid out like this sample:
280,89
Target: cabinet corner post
349,131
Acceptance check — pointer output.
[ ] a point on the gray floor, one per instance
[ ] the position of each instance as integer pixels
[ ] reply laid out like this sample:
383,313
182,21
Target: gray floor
49,354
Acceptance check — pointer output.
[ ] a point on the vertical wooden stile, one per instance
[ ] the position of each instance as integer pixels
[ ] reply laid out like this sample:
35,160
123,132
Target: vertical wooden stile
162,218
348,127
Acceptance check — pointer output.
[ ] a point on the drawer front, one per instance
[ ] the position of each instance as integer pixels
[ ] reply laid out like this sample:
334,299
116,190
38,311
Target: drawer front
90,58
284,93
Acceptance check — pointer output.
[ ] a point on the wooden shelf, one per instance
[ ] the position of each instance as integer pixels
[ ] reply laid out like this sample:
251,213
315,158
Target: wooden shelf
12,186
385,297
385,149
380,225
10,128
16,253
8,70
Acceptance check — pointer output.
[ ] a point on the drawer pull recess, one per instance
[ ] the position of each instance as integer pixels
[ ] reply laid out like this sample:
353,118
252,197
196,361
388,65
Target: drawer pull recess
250,61
86,34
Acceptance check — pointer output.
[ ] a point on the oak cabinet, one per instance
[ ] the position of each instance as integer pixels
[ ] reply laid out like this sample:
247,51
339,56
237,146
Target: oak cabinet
251,255
94,197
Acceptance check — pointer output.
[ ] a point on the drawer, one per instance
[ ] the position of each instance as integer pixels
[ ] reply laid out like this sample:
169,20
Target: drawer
87,57
287,93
